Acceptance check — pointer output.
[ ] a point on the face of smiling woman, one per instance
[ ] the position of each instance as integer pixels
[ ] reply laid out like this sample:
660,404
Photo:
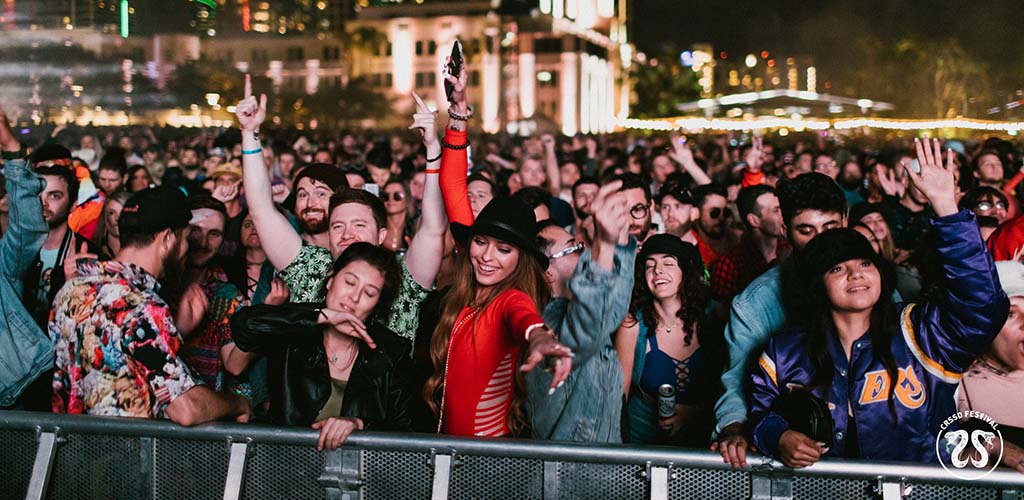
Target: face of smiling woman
853,286
492,259
663,275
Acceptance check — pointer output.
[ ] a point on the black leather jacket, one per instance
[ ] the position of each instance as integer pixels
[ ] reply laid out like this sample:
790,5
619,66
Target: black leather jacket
379,390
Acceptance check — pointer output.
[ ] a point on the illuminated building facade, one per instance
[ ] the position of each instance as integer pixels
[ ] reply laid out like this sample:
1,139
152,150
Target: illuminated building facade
108,16
278,17
560,62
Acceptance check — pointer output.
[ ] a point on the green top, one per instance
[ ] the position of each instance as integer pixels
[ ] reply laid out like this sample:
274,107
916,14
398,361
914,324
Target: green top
332,408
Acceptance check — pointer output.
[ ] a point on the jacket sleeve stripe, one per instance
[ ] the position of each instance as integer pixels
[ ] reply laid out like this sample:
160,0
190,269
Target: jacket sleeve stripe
929,364
769,368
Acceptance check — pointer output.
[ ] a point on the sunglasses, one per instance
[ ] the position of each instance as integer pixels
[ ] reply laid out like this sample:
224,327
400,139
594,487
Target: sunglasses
396,196
578,247
716,213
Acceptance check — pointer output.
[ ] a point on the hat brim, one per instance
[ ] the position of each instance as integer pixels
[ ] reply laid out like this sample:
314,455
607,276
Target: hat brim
462,233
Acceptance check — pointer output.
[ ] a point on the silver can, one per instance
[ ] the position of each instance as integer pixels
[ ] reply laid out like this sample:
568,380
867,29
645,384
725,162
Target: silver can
666,401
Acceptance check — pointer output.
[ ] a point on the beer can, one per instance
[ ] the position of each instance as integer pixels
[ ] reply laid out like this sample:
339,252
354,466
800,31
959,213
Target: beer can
666,400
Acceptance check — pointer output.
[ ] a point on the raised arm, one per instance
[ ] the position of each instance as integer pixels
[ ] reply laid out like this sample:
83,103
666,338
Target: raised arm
603,282
454,158
684,156
28,230
948,336
426,249
285,244
551,164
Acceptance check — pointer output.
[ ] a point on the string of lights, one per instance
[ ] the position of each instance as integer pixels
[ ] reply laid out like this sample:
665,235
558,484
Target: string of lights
787,124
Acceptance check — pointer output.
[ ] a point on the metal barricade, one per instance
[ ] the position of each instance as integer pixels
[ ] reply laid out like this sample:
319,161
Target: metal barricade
59,456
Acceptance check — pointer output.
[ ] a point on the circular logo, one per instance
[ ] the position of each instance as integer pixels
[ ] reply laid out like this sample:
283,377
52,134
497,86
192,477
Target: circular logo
969,454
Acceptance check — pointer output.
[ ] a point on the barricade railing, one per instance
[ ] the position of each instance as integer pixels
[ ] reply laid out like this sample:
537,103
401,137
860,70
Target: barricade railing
61,456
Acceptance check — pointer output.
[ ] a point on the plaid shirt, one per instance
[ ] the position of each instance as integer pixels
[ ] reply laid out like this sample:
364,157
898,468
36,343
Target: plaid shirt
734,270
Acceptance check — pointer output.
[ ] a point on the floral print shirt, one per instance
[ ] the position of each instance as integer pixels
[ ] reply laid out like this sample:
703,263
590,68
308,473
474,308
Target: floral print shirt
116,346
307,275
202,350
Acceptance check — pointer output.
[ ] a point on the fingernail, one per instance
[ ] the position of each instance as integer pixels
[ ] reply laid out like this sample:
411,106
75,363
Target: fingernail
551,391
560,384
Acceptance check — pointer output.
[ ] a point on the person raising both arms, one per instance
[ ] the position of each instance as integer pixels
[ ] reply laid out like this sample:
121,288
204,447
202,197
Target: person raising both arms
348,216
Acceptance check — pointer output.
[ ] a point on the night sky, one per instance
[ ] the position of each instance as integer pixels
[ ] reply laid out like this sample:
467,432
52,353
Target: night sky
988,29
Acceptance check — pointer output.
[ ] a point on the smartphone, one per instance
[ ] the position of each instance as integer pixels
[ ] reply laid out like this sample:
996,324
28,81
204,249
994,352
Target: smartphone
454,68
372,188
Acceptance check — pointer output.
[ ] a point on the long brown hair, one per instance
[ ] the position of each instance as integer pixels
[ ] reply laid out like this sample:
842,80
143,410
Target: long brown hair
527,277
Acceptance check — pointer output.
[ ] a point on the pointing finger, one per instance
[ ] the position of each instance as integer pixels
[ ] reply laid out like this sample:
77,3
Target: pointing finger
421,107
263,102
248,85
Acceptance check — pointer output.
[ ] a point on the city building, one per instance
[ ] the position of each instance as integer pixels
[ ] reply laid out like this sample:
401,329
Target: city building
107,16
278,17
557,63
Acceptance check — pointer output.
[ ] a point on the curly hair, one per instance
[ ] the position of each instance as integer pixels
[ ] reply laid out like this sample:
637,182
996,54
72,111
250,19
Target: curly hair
694,292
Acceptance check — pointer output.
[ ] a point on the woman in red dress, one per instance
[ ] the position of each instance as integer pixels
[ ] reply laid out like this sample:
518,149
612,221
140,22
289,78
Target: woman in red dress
490,318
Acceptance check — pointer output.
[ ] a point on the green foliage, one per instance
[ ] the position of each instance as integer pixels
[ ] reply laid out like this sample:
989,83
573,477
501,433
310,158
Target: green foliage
661,85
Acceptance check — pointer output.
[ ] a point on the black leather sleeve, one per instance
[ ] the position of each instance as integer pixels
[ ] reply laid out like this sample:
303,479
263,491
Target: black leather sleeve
264,327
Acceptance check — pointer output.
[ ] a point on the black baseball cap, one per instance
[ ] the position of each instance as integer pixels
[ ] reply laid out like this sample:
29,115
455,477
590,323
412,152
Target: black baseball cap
152,210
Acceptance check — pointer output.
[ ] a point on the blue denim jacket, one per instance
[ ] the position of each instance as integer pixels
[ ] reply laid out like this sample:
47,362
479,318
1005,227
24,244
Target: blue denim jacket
25,351
588,407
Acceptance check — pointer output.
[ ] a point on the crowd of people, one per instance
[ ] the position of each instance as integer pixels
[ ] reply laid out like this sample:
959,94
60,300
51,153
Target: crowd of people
697,291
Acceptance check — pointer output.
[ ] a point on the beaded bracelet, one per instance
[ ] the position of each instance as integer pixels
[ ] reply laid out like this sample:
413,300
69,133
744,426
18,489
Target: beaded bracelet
445,144
462,118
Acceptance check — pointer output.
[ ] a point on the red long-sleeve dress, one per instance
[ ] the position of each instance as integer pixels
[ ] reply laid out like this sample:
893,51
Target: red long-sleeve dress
484,345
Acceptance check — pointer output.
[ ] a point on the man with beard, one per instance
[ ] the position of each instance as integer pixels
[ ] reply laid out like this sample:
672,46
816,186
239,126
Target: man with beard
205,309
712,237
350,215
759,248
583,193
639,205
675,204
55,261
116,345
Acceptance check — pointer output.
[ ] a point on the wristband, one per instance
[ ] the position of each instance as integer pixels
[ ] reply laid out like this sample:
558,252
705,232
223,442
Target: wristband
462,118
446,144
432,160
252,151
432,171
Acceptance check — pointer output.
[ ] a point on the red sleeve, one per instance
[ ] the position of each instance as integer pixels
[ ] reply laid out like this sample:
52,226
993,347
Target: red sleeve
519,313
1011,185
453,179
752,178
1007,240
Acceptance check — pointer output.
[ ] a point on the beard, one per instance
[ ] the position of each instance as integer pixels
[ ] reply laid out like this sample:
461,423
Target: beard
54,220
174,271
313,225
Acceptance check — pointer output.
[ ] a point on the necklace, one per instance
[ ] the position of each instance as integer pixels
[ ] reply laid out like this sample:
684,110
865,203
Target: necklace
333,359
668,329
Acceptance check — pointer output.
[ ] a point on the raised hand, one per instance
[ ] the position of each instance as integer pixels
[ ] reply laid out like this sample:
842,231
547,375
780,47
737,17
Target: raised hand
71,259
279,193
459,98
610,214
423,120
250,112
7,140
348,324
191,309
228,193
755,155
680,152
887,179
935,180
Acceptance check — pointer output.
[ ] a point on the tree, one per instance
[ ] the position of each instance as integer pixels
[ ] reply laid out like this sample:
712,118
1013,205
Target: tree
661,85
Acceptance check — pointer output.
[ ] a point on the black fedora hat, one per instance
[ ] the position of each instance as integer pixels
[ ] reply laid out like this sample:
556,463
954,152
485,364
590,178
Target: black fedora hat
508,220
